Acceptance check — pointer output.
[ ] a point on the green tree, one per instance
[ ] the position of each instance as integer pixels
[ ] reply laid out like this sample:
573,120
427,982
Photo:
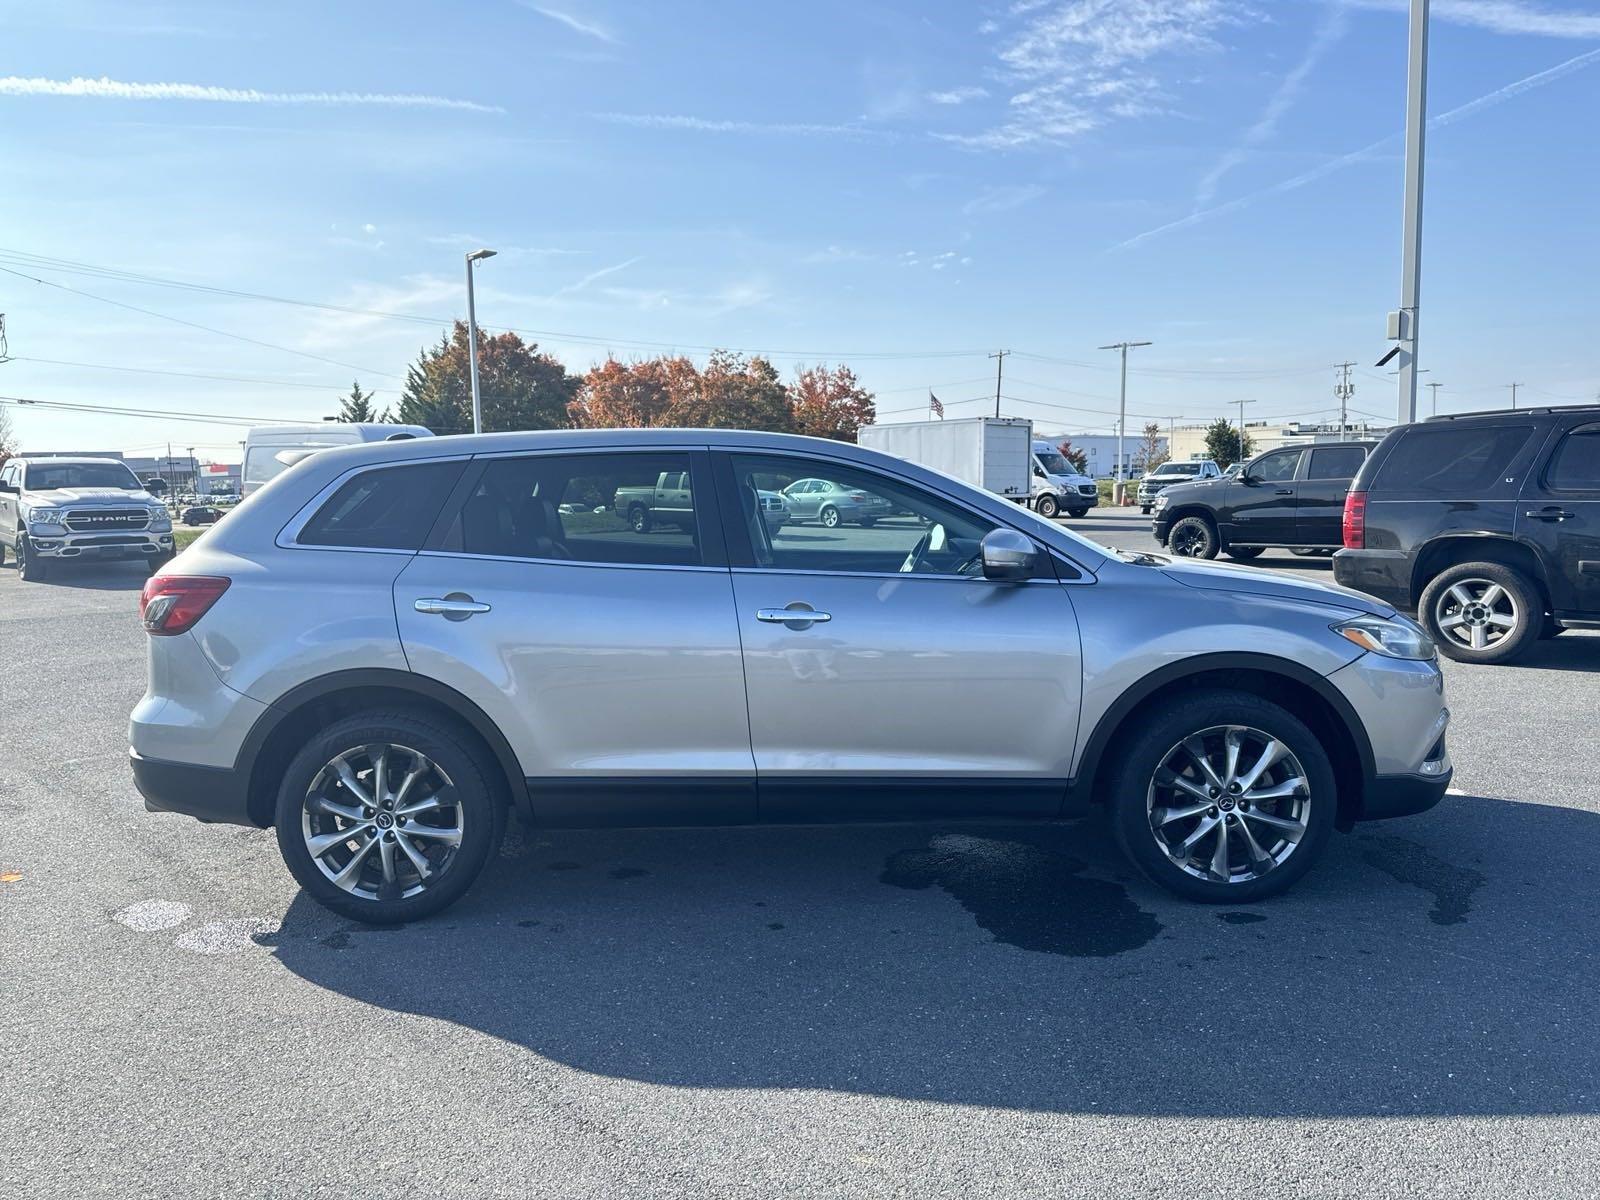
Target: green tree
358,408
520,387
1223,443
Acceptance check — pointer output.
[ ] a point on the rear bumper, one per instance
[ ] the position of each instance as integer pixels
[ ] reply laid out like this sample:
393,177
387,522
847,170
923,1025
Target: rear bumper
1385,574
218,794
1403,795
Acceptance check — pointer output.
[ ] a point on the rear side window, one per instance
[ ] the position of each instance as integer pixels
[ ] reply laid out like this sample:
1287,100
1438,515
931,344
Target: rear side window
1336,462
1448,462
1575,466
386,508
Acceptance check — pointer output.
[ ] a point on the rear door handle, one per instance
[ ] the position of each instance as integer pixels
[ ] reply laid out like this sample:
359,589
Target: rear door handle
1549,513
798,613
457,606
1284,492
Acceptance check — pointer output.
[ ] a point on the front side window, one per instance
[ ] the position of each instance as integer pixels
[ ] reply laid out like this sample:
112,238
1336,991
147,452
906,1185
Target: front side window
46,477
1575,466
386,508
1451,461
1336,462
866,523
1275,468
624,509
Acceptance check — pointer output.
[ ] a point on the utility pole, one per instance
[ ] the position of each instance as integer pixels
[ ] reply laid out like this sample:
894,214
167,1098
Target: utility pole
1241,404
1411,222
1342,391
1122,416
999,369
1434,388
1513,387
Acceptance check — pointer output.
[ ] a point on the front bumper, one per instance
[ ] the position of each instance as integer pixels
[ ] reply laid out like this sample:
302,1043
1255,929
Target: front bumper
1160,526
1403,795
136,544
214,794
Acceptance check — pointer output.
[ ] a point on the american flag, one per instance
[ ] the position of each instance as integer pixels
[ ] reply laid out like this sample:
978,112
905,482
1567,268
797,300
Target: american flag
936,408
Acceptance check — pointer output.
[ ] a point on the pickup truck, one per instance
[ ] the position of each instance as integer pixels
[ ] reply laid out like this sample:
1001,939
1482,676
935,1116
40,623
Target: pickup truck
1169,473
670,502
53,509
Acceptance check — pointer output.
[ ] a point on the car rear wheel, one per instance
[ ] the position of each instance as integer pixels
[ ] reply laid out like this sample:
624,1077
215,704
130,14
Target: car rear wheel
1193,537
829,516
388,817
1244,553
639,519
868,522
1046,506
1223,797
1482,612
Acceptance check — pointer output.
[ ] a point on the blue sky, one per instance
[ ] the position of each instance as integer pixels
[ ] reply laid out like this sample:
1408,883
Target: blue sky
902,186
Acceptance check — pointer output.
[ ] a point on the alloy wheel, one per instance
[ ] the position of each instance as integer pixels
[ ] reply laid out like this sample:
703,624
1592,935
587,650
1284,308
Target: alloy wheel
1229,804
1478,614
1189,541
382,822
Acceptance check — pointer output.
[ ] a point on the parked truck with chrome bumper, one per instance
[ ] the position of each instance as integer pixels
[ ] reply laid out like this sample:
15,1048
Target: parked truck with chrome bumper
54,509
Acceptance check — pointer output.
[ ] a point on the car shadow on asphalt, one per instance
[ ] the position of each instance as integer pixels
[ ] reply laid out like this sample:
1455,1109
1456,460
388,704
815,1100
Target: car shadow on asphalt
1437,965
97,577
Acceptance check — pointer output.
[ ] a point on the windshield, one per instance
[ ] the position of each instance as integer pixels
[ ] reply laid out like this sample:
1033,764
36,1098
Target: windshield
46,477
1178,469
1054,464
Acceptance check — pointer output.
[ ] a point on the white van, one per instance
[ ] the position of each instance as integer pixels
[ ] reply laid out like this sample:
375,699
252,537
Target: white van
269,450
1057,486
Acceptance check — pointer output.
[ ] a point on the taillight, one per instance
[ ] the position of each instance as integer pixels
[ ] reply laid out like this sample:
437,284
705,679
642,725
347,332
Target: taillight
173,603
1355,521
858,497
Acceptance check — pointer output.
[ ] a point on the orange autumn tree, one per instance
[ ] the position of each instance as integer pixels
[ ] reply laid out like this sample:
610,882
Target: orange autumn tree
830,403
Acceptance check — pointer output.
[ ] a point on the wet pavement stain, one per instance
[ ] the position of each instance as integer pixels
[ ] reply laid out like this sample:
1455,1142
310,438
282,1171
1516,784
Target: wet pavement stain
1027,893
1240,918
1450,885
628,872
527,924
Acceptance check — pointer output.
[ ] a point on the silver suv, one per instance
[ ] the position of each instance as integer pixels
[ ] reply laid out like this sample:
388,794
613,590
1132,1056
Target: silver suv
393,644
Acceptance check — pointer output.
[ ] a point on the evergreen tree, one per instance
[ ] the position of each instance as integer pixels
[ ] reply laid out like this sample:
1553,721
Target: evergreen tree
1222,443
519,387
358,408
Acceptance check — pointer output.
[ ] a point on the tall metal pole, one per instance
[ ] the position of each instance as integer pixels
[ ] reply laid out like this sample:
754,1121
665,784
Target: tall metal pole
1411,226
1241,404
1118,487
472,338
1433,390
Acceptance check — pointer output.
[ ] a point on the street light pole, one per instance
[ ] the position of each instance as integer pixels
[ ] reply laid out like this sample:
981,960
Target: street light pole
472,338
1122,416
1411,224
1433,389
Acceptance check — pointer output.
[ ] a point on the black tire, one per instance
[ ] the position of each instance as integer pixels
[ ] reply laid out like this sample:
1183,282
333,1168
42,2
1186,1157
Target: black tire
868,522
1046,507
829,517
469,772
29,567
1519,600
1145,509
1077,514
1244,553
156,561
2,554
1139,755
1193,537
639,519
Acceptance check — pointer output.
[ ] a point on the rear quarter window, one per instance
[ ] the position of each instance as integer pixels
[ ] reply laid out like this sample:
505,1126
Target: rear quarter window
1452,462
385,508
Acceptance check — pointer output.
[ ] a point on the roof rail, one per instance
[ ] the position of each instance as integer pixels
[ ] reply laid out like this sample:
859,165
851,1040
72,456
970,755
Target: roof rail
1502,412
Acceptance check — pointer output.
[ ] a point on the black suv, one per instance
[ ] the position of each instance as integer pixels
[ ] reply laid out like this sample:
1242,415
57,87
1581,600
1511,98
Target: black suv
1292,498
1487,525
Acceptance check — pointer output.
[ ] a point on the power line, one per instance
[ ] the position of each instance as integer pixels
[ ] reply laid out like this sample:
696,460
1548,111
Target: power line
167,414
321,387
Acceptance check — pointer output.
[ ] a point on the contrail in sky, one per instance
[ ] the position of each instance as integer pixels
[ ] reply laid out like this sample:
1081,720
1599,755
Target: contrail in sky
116,89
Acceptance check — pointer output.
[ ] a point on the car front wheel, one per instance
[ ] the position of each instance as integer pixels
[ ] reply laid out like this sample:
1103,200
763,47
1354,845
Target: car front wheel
388,817
1482,612
30,567
1045,506
1223,797
1077,514
1244,553
1193,537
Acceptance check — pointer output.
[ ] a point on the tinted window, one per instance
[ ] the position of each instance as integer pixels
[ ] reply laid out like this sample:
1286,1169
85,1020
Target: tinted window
1336,462
1575,466
386,508
44,477
1275,468
629,509
866,522
1451,461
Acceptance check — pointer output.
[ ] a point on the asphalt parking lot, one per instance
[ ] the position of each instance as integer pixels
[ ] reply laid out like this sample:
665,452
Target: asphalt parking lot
886,1010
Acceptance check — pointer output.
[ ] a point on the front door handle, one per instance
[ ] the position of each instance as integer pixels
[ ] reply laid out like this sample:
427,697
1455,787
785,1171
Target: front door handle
457,606
1548,513
797,615
1284,492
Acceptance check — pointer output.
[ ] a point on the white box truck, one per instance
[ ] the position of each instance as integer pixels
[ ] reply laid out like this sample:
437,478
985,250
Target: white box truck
994,453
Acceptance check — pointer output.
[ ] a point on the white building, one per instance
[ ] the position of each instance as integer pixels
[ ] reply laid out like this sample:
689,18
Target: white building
1101,450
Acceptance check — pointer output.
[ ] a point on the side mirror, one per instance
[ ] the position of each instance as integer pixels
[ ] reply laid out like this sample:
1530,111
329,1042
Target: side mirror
1008,555
1247,479
8,487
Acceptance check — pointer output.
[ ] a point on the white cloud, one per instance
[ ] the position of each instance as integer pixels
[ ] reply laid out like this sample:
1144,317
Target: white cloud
1077,64
1003,199
959,95
369,227
710,125
587,27
833,254
1503,16
114,89
1329,30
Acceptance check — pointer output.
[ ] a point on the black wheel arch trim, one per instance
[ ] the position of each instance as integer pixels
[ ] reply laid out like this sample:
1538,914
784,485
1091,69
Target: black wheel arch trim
392,680
1484,537
1126,704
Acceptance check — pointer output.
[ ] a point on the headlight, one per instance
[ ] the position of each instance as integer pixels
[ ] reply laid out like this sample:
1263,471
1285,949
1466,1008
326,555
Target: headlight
47,516
1394,637
1162,501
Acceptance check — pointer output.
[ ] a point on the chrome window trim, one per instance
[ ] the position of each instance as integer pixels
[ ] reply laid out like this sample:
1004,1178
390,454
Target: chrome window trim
288,537
570,562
